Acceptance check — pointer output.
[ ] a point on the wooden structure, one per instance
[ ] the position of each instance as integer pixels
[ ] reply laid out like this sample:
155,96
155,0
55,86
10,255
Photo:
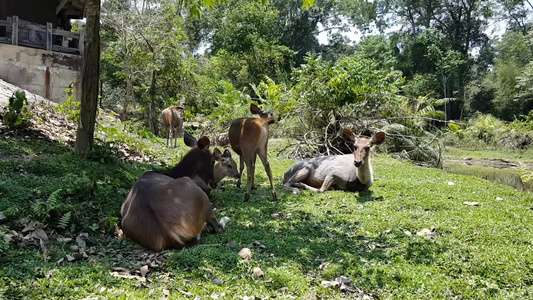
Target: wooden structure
42,24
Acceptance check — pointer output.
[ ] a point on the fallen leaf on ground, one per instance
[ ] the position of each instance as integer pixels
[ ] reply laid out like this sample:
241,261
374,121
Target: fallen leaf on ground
245,253
119,233
40,234
206,270
258,273
70,257
144,270
231,244
471,203
8,238
127,276
81,242
30,226
499,199
451,183
46,253
185,293
50,273
166,294
426,232
224,222
408,233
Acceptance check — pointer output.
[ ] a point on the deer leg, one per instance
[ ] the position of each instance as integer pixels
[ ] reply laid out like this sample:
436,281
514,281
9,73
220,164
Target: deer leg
212,222
298,177
328,182
305,186
253,177
175,137
241,168
250,169
167,136
266,165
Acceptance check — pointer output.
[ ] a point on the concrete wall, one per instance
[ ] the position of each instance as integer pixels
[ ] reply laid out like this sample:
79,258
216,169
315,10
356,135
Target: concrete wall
42,72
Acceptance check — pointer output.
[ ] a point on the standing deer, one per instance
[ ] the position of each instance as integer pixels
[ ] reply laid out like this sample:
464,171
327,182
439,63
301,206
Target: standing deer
168,210
349,172
248,138
172,120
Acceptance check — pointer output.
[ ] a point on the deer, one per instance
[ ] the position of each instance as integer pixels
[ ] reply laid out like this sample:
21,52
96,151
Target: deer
248,138
350,172
169,209
172,121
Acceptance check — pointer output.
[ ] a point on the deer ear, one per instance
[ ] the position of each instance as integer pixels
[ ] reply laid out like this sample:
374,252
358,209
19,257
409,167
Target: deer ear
204,143
378,138
254,109
189,140
348,134
217,154
226,153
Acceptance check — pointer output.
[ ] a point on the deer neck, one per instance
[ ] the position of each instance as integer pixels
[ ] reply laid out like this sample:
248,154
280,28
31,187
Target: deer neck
364,172
218,172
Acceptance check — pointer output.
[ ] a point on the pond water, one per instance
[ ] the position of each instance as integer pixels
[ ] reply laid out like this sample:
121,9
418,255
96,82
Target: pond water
507,176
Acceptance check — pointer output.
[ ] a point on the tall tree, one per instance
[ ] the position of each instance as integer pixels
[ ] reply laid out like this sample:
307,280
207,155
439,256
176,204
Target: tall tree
90,77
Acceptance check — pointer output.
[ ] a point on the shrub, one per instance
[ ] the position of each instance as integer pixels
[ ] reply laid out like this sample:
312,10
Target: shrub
69,107
16,113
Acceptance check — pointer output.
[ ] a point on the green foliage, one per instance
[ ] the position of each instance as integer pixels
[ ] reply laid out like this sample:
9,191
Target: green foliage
353,81
69,107
43,208
16,113
64,220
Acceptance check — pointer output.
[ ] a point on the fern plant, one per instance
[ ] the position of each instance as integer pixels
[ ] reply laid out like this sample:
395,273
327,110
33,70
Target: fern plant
64,220
42,208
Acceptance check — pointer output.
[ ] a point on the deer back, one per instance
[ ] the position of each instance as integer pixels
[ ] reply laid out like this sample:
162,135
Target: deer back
164,213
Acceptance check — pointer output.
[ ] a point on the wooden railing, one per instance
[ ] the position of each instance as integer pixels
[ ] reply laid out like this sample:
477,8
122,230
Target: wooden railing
24,33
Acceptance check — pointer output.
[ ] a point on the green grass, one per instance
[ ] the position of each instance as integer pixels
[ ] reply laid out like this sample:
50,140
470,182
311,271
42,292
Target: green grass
478,252
513,155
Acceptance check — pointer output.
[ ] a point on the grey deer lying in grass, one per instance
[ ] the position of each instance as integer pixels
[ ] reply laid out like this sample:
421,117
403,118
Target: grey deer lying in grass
248,137
168,210
351,172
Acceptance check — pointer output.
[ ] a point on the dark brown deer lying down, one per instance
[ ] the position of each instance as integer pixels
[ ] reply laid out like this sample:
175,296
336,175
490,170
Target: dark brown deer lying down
248,138
351,172
168,210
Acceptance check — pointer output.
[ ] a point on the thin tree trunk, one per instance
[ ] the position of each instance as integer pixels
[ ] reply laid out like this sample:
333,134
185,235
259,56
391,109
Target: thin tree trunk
153,115
90,76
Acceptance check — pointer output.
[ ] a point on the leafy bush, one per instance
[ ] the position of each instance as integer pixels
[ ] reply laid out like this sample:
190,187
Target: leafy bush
16,113
486,130
69,107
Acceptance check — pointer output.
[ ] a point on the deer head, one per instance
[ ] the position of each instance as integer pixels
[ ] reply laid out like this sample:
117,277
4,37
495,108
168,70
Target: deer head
254,109
362,145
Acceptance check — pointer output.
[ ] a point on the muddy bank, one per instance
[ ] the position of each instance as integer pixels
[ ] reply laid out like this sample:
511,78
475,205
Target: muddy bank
500,171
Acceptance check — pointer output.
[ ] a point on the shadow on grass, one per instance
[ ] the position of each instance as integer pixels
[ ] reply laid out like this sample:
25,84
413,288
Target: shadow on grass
299,238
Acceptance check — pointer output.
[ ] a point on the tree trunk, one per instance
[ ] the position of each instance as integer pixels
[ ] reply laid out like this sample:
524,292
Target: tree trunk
153,108
90,76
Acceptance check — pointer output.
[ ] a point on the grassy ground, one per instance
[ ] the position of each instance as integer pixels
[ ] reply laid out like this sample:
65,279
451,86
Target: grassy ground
513,155
477,252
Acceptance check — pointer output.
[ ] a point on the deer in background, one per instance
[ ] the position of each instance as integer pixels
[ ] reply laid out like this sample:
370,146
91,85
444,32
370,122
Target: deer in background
173,123
351,172
248,138
168,209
